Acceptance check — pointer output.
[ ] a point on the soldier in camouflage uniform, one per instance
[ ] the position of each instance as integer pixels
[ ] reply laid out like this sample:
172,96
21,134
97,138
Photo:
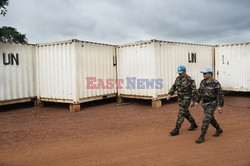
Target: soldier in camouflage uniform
212,97
186,92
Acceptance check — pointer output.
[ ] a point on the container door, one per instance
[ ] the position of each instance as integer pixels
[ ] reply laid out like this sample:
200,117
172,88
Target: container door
222,66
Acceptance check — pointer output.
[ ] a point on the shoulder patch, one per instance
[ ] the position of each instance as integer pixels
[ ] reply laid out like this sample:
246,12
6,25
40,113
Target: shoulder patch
217,85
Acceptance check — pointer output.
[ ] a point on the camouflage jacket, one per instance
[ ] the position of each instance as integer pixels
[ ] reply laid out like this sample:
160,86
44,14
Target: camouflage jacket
185,87
210,92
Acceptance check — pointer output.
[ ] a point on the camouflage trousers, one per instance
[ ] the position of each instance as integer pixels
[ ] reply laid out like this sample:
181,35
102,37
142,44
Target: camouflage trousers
209,117
184,113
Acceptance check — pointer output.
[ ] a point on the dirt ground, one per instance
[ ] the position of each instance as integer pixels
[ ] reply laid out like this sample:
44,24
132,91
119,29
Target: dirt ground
136,134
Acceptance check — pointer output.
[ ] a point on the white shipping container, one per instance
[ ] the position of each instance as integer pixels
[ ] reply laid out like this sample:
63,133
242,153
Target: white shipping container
63,69
158,61
231,63
17,73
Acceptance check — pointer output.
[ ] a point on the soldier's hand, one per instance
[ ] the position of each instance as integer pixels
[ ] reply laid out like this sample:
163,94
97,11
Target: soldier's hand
191,104
220,110
168,97
196,103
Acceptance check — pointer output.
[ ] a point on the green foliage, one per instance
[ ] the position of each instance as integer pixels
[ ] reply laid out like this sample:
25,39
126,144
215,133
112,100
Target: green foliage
3,4
10,34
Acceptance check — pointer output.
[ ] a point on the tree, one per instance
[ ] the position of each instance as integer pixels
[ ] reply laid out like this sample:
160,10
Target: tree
3,4
10,34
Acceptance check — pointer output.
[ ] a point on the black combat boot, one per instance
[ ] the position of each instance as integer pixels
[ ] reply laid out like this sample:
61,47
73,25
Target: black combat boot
192,127
201,138
174,132
218,132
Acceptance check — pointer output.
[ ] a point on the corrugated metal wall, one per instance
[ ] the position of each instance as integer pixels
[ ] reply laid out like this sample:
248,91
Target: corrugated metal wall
232,62
64,66
136,60
56,79
169,55
159,60
17,73
95,60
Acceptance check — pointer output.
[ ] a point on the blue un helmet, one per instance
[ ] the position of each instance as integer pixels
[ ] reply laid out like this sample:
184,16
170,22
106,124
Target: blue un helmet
181,69
207,70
